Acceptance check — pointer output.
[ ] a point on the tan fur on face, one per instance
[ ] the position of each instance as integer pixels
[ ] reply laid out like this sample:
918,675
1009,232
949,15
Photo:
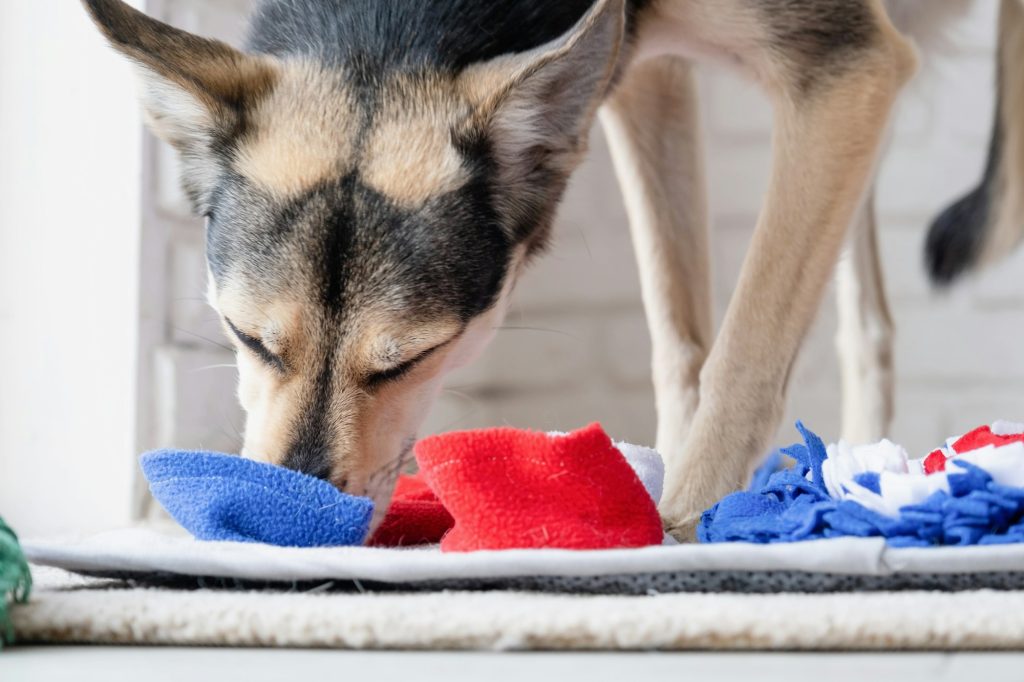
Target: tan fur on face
387,342
398,409
372,428
266,400
271,403
278,322
368,426
383,429
409,156
304,132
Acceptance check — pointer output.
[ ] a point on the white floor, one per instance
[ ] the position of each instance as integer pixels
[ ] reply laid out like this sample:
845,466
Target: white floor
114,664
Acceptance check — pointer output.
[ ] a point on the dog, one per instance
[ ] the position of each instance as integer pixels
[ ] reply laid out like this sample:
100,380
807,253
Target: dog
376,175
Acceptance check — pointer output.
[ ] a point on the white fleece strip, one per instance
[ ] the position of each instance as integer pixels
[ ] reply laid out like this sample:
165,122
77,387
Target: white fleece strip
902,481
1001,427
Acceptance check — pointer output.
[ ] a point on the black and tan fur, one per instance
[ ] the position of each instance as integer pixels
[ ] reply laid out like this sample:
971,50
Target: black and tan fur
376,172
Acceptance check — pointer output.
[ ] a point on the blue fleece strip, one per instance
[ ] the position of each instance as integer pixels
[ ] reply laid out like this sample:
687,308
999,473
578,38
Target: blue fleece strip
872,480
224,497
793,504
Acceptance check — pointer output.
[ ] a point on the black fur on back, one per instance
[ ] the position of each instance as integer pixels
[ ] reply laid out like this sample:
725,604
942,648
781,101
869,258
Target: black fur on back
373,35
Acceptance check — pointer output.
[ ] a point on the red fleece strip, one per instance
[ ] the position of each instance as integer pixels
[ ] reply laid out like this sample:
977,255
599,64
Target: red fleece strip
979,438
508,488
415,517
935,462
982,437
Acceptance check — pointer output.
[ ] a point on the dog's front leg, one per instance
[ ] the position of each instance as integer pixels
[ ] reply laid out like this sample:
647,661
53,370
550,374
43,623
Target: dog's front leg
653,129
831,110
865,335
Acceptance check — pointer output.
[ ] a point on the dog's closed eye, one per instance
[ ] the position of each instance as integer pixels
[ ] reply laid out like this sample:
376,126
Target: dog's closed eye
378,378
256,346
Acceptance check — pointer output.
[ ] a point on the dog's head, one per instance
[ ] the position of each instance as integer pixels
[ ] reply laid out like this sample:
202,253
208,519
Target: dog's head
364,229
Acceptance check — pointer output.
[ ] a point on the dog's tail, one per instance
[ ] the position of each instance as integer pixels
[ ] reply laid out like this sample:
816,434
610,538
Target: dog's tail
989,222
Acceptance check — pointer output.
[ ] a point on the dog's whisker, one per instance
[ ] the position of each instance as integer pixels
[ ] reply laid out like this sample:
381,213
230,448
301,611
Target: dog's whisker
203,338
226,419
583,236
540,329
461,394
476,405
470,413
386,474
224,366
226,433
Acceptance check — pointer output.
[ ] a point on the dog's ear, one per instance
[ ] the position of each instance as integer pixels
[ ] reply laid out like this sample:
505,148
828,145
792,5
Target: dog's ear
195,91
541,103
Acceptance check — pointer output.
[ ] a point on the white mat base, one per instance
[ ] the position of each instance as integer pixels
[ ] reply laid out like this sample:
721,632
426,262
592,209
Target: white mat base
145,550
68,609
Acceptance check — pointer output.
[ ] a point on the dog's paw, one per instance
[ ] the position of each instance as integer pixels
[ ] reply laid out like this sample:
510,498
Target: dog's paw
682,530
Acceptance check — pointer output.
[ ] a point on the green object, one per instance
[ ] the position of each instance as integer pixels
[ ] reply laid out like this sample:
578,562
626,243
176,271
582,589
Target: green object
15,579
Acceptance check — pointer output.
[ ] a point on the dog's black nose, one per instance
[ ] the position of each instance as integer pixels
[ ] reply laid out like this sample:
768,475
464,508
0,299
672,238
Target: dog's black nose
313,460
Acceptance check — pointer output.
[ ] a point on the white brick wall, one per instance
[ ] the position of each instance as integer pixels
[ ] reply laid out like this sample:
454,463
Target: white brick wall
575,346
